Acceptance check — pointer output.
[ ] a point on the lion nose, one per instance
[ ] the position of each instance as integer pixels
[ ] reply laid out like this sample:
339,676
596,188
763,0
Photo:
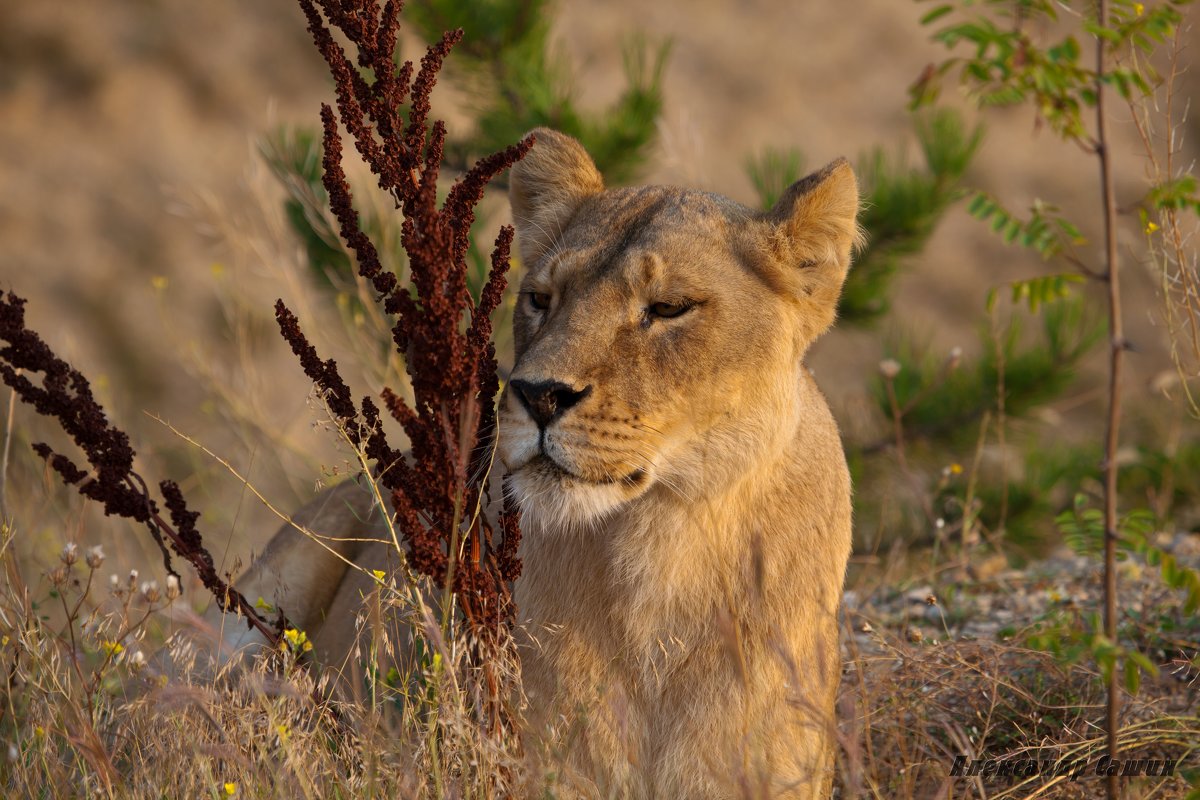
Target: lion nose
547,400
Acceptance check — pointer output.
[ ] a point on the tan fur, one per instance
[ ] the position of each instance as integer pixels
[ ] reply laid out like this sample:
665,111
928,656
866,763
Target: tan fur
687,521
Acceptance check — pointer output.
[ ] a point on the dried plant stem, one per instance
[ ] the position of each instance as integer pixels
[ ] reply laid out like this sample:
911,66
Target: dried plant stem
1001,419
970,515
898,432
897,423
1116,340
8,435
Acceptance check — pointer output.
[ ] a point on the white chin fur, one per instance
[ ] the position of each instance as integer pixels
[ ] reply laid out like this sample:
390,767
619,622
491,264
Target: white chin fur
553,503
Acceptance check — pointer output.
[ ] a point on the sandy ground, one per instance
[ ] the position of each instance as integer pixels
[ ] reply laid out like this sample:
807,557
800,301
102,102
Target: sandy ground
137,218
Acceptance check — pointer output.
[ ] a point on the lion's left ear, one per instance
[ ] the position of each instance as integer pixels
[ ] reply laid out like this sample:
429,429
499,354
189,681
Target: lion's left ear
811,232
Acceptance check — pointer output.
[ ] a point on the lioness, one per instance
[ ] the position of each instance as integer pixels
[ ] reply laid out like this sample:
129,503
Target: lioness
685,497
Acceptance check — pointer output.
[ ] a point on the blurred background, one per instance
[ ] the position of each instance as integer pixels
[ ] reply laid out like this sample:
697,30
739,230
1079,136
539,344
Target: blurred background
146,217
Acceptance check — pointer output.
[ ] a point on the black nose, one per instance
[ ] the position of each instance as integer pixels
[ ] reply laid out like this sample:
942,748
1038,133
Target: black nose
546,400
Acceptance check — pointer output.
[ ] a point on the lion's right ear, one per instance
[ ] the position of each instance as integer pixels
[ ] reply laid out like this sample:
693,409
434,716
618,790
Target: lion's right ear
546,188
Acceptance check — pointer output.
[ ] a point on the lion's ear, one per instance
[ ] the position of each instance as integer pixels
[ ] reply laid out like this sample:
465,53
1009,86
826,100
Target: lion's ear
812,231
817,215
546,188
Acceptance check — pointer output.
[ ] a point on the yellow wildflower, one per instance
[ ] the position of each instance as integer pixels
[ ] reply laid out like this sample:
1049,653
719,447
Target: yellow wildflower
297,639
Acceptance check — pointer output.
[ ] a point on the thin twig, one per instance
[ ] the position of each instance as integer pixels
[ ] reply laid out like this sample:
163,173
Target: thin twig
1116,339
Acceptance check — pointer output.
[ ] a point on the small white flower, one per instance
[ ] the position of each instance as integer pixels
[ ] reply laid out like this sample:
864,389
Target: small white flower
889,368
137,660
69,554
173,589
150,591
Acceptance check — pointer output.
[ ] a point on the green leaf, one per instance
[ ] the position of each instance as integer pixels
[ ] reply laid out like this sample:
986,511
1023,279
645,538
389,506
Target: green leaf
1108,34
1012,229
1179,193
936,14
980,206
1143,662
1133,677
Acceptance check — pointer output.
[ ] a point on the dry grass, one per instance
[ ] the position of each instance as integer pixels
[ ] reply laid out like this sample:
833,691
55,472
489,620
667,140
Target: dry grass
908,710
89,709
1171,228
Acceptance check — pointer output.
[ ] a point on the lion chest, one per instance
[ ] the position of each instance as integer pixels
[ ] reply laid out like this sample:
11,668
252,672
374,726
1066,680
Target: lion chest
632,617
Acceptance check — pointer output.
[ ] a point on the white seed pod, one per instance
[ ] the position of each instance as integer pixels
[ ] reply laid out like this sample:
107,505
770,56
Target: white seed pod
889,368
150,591
95,557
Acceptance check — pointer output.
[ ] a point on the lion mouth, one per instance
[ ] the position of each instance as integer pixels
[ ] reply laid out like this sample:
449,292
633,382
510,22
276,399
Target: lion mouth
548,465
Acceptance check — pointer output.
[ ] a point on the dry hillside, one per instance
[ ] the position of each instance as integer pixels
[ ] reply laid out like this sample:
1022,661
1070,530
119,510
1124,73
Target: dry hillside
136,215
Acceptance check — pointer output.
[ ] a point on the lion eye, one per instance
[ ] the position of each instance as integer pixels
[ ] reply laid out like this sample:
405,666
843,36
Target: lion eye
669,310
539,300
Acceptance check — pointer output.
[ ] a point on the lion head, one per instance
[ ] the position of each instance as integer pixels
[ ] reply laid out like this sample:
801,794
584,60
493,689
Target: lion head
659,332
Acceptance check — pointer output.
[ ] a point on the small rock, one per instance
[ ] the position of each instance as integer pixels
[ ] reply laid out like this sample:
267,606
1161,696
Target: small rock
1186,544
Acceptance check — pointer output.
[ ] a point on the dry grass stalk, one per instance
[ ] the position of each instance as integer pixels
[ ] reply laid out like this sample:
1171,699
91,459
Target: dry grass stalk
1160,121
